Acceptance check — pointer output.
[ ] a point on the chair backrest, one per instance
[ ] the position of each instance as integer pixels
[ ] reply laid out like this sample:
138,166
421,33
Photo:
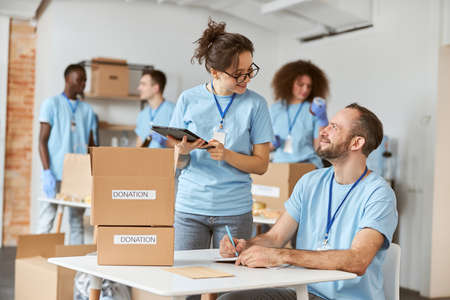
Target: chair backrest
391,273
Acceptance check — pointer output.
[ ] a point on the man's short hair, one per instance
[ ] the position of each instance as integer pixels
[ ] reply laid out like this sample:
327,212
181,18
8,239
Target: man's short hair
72,68
158,77
367,126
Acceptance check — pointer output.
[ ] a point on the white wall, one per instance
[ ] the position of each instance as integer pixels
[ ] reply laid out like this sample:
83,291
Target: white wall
140,32
4,51
392,69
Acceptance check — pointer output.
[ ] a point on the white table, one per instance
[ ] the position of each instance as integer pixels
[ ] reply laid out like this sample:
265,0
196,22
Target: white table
157,281
264,220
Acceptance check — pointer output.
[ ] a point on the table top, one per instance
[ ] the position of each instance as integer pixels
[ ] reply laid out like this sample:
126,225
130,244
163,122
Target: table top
156,280
65,203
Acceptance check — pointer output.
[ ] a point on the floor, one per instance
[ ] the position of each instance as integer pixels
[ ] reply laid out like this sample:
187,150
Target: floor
7,256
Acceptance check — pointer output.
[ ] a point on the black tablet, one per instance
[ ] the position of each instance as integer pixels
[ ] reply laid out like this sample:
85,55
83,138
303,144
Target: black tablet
177,133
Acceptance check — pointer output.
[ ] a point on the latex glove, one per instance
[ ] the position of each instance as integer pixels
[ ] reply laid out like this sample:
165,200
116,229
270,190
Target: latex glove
319,109
49,183
276,142
158,138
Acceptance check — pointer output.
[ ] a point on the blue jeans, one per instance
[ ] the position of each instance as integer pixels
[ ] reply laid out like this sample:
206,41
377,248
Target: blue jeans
196,231
47,214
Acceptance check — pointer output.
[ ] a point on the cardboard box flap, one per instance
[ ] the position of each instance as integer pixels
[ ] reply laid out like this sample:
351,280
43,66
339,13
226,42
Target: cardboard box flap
38,244
109,61
115,161
76,179
74,250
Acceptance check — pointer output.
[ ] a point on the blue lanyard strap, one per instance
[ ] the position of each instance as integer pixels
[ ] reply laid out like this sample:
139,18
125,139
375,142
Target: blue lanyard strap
291,125
330,220
222,113
74,107
153,114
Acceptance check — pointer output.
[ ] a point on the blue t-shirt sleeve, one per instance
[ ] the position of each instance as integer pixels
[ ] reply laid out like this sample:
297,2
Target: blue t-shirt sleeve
140,126
46,113
293,204
177,119
261,130
380,213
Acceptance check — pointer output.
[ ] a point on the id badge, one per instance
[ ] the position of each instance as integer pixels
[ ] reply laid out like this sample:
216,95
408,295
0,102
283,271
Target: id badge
73,125
323,245
220,135
288,145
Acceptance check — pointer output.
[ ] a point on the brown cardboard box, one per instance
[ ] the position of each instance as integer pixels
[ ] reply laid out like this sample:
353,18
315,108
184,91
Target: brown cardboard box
109,77
35,278
76,178
135,246
132,186
276,185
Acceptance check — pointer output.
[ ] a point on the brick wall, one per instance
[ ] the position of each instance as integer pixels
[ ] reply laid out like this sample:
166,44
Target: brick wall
19,131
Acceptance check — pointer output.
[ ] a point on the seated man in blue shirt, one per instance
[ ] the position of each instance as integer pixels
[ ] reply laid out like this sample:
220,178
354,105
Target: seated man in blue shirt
346,216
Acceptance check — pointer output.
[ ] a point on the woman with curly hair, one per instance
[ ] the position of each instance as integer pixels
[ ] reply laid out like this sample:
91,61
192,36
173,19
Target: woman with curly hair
296,118
214,187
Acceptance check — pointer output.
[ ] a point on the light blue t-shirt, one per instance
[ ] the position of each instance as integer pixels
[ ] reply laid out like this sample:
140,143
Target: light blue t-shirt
58,113
304,131
371,204
210,187
161,117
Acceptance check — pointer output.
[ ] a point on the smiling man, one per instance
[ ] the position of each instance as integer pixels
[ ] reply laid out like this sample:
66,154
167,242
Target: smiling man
346,216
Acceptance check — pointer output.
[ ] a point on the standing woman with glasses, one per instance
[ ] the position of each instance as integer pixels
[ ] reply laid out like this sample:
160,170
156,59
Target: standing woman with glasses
214,187
299,112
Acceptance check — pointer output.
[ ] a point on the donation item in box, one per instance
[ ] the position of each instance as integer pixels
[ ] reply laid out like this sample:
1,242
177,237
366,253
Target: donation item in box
132,186
276,185
76,184
135,246
35,277
109,77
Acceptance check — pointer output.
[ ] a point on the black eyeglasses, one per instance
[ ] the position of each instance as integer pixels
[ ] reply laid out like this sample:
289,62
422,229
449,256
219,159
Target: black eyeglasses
242,77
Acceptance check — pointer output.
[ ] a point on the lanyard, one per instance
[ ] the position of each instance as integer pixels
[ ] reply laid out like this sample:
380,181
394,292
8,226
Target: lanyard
222,113
330,220
291,125
153,115
74,107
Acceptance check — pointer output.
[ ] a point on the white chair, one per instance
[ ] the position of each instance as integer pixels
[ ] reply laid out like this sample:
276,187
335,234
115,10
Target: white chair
391,273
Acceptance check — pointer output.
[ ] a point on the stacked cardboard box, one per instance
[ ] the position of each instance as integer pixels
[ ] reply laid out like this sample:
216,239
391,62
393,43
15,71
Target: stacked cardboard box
133,205
109,77
276,185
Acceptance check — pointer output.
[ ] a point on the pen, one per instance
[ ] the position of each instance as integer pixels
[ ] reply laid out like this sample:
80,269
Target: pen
231,239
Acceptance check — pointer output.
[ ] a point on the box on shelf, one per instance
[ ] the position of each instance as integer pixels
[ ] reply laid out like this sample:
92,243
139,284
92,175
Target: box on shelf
132,186
276,185
76,184
135,246
109,77
35,277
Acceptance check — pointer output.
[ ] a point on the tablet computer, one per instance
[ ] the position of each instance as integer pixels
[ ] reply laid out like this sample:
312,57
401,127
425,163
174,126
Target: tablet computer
178,133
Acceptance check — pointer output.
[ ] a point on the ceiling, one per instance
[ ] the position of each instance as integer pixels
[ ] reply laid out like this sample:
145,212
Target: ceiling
302,19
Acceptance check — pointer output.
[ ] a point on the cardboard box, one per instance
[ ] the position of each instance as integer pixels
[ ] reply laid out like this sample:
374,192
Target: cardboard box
76,178
109,77
135,246
276,185
35,278
132,186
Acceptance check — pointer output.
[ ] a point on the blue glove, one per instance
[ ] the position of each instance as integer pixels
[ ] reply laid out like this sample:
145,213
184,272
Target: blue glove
319,109
276,143
49,183
158,138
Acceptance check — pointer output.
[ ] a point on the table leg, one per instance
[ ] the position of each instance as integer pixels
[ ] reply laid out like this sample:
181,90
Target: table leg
59,218
209,297
302,292
95,287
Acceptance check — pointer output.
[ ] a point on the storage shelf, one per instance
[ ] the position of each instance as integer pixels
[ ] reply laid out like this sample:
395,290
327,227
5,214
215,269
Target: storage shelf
115,127
128,98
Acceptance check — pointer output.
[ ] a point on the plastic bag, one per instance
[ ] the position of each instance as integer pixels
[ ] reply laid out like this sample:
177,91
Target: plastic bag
110,290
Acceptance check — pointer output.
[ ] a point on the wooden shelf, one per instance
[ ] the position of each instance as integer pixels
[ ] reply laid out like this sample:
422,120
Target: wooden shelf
129,98
115,127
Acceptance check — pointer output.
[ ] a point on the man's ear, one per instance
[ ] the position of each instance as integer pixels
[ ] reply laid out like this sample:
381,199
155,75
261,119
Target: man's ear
357,143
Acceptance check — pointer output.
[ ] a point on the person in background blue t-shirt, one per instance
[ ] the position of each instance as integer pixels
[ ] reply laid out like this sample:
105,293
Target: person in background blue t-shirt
157,112
346,216
67,126
214,186
296,118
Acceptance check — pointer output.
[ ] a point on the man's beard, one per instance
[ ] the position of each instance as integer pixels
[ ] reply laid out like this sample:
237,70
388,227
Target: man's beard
334,151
